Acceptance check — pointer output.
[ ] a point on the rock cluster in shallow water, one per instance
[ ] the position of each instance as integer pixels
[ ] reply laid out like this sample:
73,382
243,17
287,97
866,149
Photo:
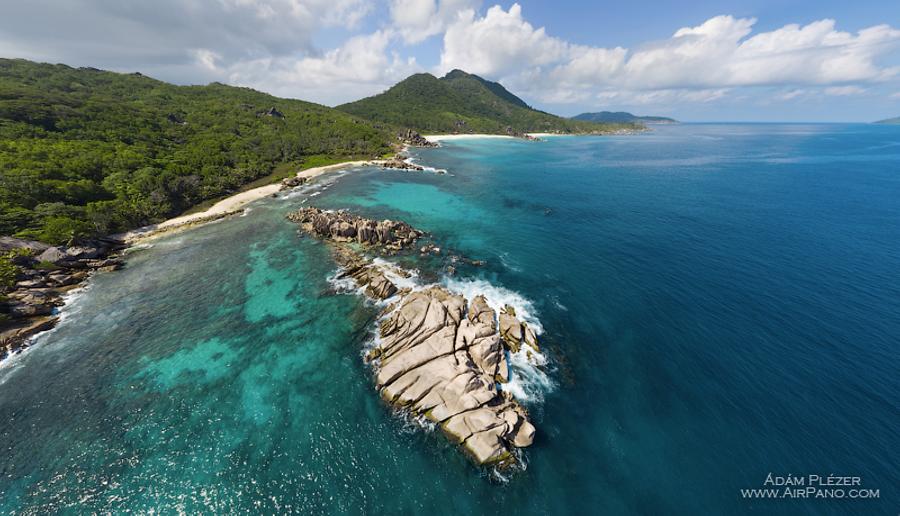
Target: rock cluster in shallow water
342,226
439,355
43,274
401,164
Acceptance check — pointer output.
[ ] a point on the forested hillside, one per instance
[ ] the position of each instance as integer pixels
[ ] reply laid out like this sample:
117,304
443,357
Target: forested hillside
83,151
464,103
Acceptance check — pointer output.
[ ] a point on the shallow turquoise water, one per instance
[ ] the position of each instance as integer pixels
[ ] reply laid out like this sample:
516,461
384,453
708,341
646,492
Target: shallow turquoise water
718,303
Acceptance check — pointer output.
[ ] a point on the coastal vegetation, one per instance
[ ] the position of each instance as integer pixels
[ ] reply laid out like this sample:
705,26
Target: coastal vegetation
890,121
463,103
84,151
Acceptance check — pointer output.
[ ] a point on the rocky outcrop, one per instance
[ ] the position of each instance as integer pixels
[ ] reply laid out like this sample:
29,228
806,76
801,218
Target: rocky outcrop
401,164
439,355
10,244
366,274
414,139
172,118
515,333
272,112
516,134
43,275
292,182
442,357
342,226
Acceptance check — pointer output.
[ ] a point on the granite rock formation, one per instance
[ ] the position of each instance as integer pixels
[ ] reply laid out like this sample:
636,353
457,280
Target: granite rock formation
438,355
342,226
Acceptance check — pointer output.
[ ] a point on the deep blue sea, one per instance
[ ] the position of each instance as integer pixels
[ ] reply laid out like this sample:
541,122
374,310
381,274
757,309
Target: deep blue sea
718,303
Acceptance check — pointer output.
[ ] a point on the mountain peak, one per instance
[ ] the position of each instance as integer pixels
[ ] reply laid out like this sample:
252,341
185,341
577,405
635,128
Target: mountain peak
456,73
458,102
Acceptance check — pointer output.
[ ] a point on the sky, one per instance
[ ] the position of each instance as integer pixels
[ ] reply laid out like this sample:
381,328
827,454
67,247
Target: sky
724,60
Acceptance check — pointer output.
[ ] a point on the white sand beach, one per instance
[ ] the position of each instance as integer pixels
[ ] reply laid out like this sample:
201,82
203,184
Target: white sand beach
230,205
447,137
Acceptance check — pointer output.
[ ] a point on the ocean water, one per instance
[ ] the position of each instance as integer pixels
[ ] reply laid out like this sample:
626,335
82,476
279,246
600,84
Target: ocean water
718,303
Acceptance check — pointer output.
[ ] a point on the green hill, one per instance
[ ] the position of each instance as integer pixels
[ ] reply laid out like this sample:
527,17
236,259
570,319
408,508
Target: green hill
623,117
890,121
86,151
464,103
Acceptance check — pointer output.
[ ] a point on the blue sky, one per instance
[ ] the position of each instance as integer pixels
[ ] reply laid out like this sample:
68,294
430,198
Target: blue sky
756,60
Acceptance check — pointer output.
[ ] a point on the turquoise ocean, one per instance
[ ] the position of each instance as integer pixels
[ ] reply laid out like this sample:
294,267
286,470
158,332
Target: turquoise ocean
718,303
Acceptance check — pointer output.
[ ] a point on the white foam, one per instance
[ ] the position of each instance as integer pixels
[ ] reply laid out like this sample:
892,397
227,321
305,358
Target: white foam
528,380
344,285
70,307
401,278
137,247
411,423
507,262
425,168
497,298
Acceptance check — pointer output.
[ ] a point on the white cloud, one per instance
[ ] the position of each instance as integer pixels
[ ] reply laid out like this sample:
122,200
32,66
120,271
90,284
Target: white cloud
169,36
420,19
361,66
793,94
497,44
896,95
656,97
706,60
844,91
207,58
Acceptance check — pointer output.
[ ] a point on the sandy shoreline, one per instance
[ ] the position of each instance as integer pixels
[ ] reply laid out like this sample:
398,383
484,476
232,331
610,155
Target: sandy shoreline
228,206
449,137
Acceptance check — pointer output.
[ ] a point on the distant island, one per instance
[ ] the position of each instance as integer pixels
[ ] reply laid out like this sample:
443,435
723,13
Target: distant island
622,117
890,121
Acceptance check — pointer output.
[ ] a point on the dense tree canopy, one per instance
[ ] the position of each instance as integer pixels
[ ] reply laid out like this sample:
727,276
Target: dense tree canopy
86,151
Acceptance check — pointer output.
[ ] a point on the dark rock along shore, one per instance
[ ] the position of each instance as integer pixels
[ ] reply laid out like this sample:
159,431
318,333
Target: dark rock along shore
45,273
439,355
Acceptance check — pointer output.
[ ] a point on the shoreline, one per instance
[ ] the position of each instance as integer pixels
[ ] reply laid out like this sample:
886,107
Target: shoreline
466,136
18,336
526,136
448,137
231,205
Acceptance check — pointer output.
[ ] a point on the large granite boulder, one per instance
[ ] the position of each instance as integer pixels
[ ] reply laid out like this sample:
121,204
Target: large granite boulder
52,255
292,182
515,332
